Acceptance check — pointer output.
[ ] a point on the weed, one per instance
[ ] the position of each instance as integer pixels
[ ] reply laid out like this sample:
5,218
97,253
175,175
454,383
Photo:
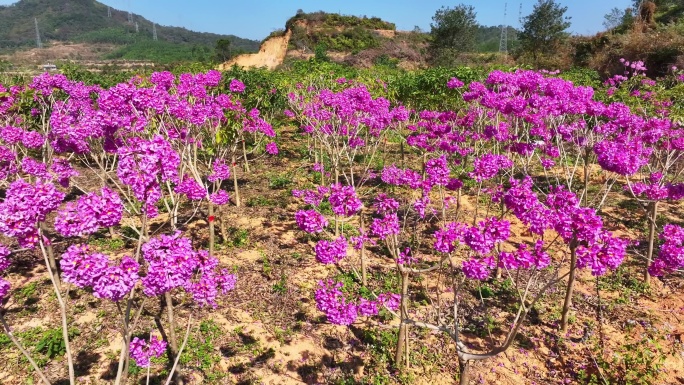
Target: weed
351,285
624,282
283,335
382,343
279,181
485,292
201,354
349,230
237,237
5,341
280,287
630,204
28,292
260,201
129,232
266,267
50,342
636,362
108,244
326,208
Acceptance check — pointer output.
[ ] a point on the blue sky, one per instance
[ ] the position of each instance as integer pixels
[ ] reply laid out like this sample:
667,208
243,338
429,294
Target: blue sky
255,19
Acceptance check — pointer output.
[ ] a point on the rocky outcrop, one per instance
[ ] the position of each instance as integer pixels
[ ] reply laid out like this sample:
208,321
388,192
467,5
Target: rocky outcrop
271,54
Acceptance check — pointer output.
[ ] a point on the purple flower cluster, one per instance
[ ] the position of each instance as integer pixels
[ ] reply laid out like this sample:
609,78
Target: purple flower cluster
400,177
478,269
311,197
483,237
141,351
454,83
385,226
117,281
622,157
5,262
272,148
671,254
343,200
144,164
488,165
328,252
33,167
480,238
24,206
523,258
85,269
437,171
221,171
331,300
607,252
190,188
446,237
63,170
89,213
525,205
311,221
236,86
5,288
172,263
384,204
220,198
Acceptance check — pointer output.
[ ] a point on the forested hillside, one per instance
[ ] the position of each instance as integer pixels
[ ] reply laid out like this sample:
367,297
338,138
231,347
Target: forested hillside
90,21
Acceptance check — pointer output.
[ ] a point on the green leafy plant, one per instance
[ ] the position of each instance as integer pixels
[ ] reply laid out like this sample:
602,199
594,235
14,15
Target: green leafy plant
52,343
279,181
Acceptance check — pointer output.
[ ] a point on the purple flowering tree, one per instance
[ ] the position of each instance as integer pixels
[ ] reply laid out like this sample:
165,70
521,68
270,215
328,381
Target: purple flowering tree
347,127
145,144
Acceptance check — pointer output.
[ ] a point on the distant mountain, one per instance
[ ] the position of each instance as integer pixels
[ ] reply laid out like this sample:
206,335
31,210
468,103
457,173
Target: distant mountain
89,21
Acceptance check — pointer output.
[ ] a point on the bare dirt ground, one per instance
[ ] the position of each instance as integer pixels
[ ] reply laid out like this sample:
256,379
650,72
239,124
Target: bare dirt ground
61,51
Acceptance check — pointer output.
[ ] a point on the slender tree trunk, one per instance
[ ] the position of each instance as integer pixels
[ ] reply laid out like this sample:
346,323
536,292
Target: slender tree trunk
337,226
212,229
403,154
173,342
49,256
458,201
364,276
402,340
235,182
571,283
244,156
652,216
498,262
498,247
315,151
54,268
464,372
586,178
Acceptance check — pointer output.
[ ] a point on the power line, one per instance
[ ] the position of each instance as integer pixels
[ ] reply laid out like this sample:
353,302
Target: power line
154,31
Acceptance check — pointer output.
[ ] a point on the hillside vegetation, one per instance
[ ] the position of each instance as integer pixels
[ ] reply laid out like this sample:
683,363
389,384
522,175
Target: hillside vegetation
87,21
